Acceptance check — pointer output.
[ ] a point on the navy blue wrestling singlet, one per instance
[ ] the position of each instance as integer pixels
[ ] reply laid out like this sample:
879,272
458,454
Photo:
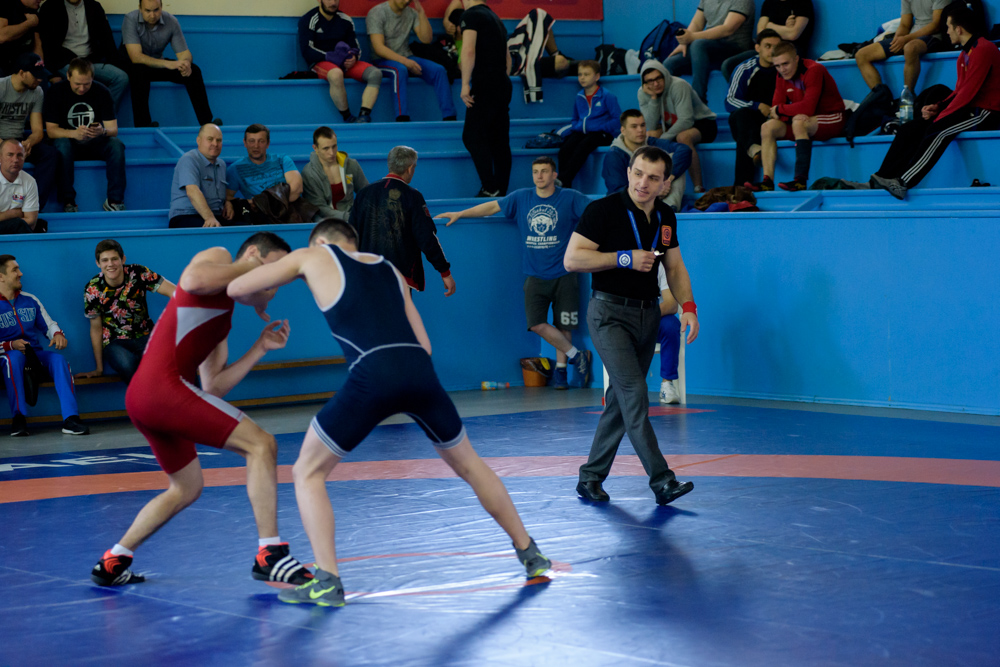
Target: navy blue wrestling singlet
389,371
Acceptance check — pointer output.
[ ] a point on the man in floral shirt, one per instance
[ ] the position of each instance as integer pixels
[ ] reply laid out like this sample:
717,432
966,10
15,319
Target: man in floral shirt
115,304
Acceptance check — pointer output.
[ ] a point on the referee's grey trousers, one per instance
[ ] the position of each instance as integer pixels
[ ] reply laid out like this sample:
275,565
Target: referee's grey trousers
625,337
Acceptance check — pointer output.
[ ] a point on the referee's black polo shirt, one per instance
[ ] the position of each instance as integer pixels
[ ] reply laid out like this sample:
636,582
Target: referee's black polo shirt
606,223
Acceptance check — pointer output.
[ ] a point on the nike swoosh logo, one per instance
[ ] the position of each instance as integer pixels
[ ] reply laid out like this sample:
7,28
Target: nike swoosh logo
313,594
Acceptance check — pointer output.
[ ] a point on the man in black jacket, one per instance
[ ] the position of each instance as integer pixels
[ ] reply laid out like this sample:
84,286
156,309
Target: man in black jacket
80,29
392,220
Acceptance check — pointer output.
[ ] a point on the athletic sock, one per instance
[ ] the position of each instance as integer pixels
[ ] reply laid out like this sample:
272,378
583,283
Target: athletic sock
119,550
571,355
559,365
267,541
803,158
346,113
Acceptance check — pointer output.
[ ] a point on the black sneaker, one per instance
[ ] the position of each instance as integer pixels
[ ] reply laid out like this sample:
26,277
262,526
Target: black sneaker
583,362
766,185
73,426
19,426
672,491
794,185
273,563
534,562
893,186
113,570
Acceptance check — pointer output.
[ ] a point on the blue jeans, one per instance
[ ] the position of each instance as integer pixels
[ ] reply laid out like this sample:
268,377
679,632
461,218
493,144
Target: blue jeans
110,150
123,356
669,338
431,72
113,77
13,376
703,56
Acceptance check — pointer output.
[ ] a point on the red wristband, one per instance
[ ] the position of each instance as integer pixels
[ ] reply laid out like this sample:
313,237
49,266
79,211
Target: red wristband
689,307
445,274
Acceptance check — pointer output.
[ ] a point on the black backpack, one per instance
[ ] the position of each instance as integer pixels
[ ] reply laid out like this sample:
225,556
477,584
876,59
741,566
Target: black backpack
871,114
660,42
611,59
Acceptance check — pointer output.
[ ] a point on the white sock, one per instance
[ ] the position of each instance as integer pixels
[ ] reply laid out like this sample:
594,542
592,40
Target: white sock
558,365
266,541
119,550
572,353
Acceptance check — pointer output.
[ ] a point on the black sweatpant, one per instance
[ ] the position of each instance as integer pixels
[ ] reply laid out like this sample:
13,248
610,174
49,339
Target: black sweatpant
575,150
745,125
486,136
140,77
920,143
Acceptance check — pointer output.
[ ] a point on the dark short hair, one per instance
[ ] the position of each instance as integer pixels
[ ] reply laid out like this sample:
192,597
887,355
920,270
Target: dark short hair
266,242
256,128
81,66
592,64
3,262
963,17
656,70
456,17
653,154
106,245
766,34
331,228
323,132
781,48
629,113
545,159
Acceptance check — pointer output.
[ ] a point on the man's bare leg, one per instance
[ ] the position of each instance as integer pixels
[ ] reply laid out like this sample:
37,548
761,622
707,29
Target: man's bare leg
185,487
557,338
913,51
865,57
260,450
338,93
314,465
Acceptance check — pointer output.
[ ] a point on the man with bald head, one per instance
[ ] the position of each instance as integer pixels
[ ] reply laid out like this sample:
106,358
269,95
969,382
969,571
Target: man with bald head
198,189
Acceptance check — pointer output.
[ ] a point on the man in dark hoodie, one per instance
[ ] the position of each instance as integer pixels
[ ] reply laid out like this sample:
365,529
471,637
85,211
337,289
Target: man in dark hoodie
331,178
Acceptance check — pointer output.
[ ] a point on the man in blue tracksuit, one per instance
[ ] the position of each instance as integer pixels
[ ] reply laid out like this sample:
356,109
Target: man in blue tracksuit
23,320
595,122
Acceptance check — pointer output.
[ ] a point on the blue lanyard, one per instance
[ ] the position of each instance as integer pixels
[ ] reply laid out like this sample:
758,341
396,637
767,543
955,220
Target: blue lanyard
635,230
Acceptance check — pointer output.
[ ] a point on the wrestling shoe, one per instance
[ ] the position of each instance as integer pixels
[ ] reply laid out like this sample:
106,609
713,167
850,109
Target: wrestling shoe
668,392
766,185
583,362
73,426
794,185
559,379
113,570
325,589
535,564
273,563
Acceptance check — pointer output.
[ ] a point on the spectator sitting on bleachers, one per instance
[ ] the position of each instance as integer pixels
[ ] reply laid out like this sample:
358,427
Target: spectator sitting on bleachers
80,29
595,121
18,192
146,32
21,102
674,112
330,46
198,188
669,338
115,303
720,29
18,32
23,322
790,20
633,136
751,91
918,33
807,106
974,105
80,119
331,178
389,26
251,175
546,216
392,220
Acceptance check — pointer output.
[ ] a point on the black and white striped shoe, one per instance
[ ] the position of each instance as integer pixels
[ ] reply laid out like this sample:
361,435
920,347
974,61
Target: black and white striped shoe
274,563
113,570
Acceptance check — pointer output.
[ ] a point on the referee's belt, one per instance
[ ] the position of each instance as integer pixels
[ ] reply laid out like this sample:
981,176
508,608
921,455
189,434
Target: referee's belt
622,301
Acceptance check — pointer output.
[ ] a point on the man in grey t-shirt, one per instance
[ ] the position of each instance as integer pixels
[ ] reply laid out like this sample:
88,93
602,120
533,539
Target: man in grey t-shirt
389,26
719,29
146,32
919,32
20,107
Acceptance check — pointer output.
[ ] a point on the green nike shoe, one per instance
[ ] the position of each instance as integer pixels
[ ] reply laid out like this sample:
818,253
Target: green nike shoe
534,562
325,590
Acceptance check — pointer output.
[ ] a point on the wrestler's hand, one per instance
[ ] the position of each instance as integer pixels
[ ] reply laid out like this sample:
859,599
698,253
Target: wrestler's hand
690,320
274,336
58,341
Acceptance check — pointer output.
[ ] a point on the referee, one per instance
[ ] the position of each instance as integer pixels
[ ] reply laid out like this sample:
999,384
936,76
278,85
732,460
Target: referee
620,239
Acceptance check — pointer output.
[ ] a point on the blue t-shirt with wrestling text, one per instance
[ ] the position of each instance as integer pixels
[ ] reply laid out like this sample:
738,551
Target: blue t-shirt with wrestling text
546,225
251,179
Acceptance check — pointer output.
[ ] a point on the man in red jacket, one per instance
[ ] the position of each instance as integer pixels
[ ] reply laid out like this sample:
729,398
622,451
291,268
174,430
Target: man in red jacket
974,105
807,106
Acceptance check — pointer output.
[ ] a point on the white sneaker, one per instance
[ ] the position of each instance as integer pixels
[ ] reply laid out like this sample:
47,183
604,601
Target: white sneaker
668,392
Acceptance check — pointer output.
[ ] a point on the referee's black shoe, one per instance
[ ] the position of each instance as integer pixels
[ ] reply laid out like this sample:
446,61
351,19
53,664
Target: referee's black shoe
592,491
672,491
